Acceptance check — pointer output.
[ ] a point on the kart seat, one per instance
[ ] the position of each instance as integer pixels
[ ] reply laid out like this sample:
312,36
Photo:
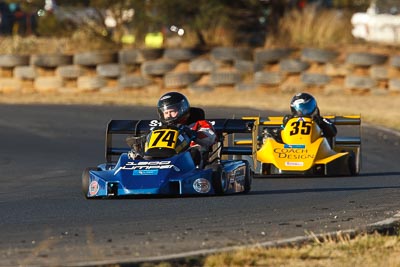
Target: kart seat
196,114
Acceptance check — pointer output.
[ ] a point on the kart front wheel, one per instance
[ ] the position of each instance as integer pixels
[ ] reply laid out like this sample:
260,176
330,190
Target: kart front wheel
85,180
219,180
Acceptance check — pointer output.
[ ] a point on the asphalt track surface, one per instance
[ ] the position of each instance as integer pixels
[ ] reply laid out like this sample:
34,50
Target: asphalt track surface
46,221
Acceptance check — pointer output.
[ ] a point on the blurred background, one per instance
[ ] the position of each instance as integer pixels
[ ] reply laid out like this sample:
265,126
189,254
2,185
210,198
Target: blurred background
68,26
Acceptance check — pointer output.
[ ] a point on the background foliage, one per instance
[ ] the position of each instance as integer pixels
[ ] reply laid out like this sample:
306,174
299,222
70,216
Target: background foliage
206,23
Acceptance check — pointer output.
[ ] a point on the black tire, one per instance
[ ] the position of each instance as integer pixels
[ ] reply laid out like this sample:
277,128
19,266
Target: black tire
268,78
94,58
231,53
51,60
359,82
247,179
133,81
70,71
315,78
352,164
110,70
267,56
136,56
293,65
366,59
225,78
219,180
244,66
179,80
157,68
318,55
85,181
11,61
182,54
201,66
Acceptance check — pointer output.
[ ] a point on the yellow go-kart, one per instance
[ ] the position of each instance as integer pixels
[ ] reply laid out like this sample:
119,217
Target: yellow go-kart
301,148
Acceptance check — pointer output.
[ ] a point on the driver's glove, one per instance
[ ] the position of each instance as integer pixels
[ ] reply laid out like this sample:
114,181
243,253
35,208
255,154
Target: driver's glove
192,134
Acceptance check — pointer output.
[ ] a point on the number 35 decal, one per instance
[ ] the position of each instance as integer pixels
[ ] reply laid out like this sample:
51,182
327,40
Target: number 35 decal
302,127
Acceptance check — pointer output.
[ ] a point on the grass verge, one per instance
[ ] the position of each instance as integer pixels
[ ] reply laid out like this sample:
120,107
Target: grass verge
381,110
380,247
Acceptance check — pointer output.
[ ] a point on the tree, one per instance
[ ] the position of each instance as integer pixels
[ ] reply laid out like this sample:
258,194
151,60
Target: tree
206,18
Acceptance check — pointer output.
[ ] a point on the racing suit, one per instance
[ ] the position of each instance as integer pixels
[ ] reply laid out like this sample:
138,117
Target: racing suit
203,136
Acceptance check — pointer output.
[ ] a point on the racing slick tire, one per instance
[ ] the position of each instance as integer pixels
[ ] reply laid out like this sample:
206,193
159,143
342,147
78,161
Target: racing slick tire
85,180
248,178
352,164
219,180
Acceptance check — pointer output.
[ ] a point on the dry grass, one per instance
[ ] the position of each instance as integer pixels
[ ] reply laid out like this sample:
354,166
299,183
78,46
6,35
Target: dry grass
313,27
375,109
38,45
365,250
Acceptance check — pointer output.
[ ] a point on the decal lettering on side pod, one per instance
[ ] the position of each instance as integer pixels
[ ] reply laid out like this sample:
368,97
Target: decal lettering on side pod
147,165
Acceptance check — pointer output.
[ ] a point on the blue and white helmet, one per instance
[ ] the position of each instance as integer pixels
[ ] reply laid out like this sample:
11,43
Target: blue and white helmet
303,104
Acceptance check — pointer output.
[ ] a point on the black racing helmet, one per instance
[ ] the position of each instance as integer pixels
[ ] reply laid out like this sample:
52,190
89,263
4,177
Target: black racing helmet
173,100
303,104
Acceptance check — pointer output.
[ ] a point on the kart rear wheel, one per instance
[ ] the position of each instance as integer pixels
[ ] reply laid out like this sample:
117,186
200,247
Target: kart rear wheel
352,164
85,180
219,180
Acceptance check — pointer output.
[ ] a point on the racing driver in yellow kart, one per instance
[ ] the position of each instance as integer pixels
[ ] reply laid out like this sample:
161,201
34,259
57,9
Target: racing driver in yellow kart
305,105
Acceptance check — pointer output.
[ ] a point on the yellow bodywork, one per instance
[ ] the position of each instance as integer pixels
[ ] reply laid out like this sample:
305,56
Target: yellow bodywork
302,147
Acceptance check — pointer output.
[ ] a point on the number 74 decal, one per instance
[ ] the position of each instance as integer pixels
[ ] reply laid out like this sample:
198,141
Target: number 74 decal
163,138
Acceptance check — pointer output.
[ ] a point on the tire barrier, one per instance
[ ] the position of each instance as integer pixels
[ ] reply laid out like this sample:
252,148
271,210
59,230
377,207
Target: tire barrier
180,80
293,65
91,59
268,78
315,78
25,72
318,55
10,61
365,59
231,54
70,71
242,69
133,81
50,61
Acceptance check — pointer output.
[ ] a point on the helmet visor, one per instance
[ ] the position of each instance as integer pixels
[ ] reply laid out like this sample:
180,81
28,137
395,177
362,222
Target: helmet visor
304,107
170,111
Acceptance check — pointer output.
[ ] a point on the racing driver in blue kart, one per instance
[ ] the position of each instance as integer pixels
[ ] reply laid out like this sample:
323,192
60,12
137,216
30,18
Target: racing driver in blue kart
174,109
